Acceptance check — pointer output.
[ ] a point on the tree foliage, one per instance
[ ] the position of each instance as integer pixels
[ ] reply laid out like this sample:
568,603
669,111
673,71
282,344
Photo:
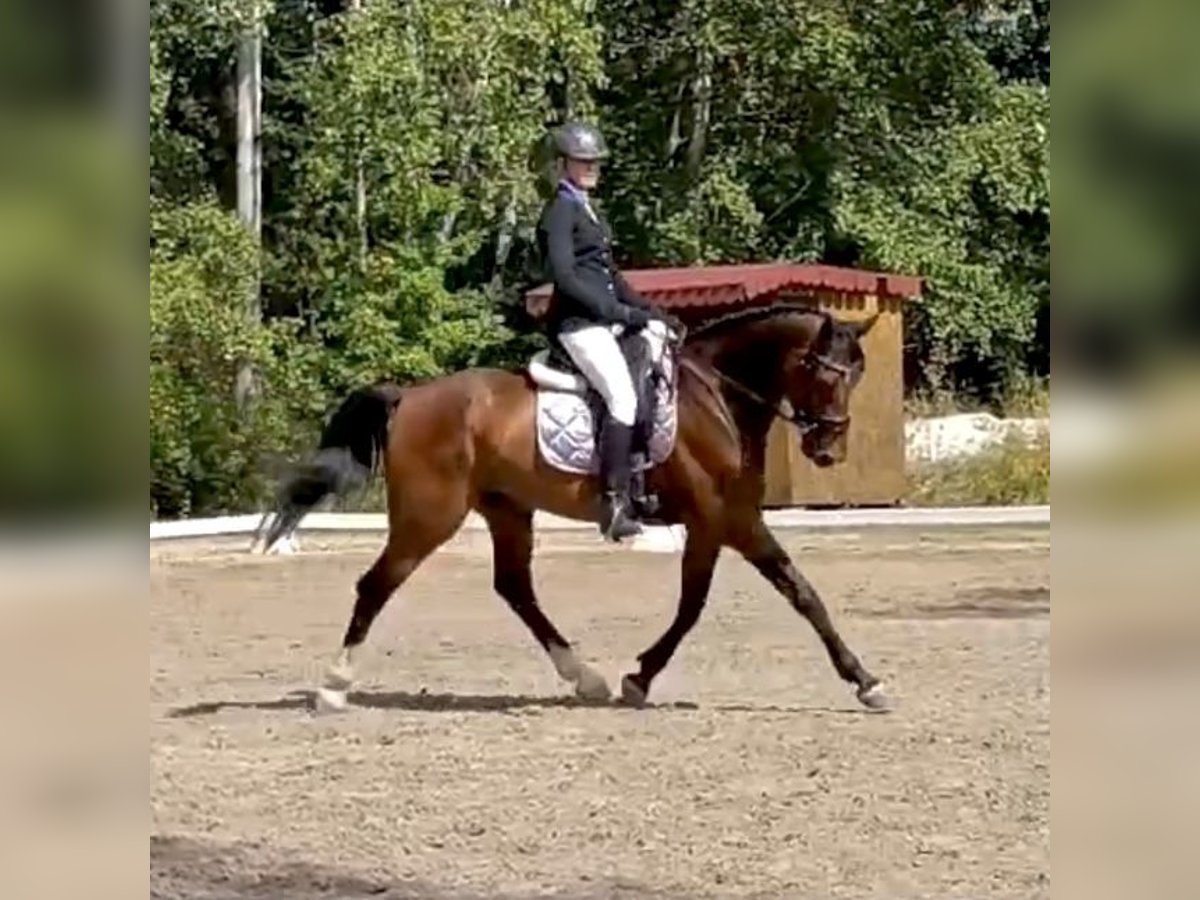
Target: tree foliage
864,134
403,158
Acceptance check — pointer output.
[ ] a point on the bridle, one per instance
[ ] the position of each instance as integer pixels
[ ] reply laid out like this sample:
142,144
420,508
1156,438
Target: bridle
802,419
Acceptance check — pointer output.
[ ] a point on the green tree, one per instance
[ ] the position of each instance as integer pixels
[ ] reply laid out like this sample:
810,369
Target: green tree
206,455
404,156
441,125
859,134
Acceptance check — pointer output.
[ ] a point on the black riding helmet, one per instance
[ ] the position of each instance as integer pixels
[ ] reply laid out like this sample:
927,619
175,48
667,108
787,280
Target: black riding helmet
579,140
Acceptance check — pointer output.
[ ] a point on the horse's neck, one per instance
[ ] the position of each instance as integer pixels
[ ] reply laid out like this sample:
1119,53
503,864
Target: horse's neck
746,421
752,356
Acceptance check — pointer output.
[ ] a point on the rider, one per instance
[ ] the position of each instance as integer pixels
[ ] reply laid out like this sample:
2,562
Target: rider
593,304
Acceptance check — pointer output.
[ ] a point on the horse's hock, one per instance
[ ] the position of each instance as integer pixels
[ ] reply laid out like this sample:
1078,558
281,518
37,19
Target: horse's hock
873,472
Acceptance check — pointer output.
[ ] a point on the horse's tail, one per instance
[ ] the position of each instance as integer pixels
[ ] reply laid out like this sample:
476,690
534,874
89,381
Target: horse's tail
349,453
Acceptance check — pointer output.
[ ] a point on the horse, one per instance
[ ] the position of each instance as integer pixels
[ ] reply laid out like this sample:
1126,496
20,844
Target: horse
468,441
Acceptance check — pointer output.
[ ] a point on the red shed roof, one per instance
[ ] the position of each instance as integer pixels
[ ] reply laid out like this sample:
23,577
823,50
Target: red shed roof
735,285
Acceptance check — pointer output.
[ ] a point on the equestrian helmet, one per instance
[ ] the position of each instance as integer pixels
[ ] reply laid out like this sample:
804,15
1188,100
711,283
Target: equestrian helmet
579,140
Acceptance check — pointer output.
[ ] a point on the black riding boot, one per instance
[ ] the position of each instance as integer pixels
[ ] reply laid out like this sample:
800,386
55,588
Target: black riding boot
616,518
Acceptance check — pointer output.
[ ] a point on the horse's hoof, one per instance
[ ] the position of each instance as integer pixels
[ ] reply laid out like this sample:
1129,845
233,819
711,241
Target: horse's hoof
328,700
874,698
591,685
339,677
632,693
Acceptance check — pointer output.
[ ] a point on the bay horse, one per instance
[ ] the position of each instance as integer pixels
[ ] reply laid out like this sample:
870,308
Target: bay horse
466,441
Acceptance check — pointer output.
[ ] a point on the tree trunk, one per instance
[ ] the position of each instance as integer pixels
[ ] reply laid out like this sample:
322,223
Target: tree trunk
504,240
360,186
249,172
702,98
675,137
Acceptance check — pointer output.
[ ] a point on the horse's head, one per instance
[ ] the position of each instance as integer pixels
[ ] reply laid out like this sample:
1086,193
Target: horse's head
818,378
795,354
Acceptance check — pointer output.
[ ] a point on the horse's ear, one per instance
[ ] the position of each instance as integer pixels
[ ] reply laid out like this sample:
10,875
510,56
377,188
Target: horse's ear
825,332
865,325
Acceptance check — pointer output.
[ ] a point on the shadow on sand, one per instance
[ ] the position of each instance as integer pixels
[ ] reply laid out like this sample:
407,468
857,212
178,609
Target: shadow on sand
487,703
186,868
422,701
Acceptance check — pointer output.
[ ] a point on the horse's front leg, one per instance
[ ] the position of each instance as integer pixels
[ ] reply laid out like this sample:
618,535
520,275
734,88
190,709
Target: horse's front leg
699,559
756,543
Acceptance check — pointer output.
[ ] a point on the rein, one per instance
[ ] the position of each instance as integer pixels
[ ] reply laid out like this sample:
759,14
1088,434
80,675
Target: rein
801,419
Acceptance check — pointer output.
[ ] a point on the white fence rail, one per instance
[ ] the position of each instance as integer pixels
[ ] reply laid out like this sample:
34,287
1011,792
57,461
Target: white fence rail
656,539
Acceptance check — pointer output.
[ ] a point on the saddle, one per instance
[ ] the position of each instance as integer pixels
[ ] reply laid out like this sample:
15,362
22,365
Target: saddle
570,411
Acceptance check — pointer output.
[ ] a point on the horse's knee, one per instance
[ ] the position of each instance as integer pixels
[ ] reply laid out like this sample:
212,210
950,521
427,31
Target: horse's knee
799,589
689,613
514,584
777,569
507,585
803,600
373,582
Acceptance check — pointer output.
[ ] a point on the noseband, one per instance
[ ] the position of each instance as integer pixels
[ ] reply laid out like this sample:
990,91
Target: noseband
814,361
802,419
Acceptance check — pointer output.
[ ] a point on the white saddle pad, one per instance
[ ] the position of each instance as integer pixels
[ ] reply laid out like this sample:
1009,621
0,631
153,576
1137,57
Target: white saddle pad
566,430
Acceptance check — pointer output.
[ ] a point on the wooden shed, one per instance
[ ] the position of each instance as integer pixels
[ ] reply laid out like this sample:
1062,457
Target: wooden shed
873,473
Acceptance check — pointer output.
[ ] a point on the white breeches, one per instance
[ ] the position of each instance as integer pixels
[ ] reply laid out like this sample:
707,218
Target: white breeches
595,350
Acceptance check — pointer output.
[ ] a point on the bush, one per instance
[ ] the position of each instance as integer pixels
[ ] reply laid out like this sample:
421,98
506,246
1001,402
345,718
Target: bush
208,451
1014,472
1023,396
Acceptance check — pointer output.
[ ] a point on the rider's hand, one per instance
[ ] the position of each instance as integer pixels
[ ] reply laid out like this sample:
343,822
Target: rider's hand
636,318
673,324
659,328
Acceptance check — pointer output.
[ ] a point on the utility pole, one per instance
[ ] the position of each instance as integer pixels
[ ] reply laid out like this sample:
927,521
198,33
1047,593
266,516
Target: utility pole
249,167
360,184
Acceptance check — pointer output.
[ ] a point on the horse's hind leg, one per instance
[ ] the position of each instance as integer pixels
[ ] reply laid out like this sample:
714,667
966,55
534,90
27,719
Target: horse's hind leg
411,539
511,528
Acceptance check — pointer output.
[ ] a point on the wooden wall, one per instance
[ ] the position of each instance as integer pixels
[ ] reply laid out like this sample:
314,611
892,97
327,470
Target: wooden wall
873,472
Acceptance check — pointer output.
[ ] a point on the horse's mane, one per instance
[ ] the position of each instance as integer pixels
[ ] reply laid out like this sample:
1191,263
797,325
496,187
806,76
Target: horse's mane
749,315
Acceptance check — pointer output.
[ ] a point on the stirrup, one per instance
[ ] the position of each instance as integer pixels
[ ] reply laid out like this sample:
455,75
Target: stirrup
616,520
646,505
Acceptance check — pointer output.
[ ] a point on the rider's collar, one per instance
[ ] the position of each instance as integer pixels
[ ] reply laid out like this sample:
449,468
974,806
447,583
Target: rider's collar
565,186
579,195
